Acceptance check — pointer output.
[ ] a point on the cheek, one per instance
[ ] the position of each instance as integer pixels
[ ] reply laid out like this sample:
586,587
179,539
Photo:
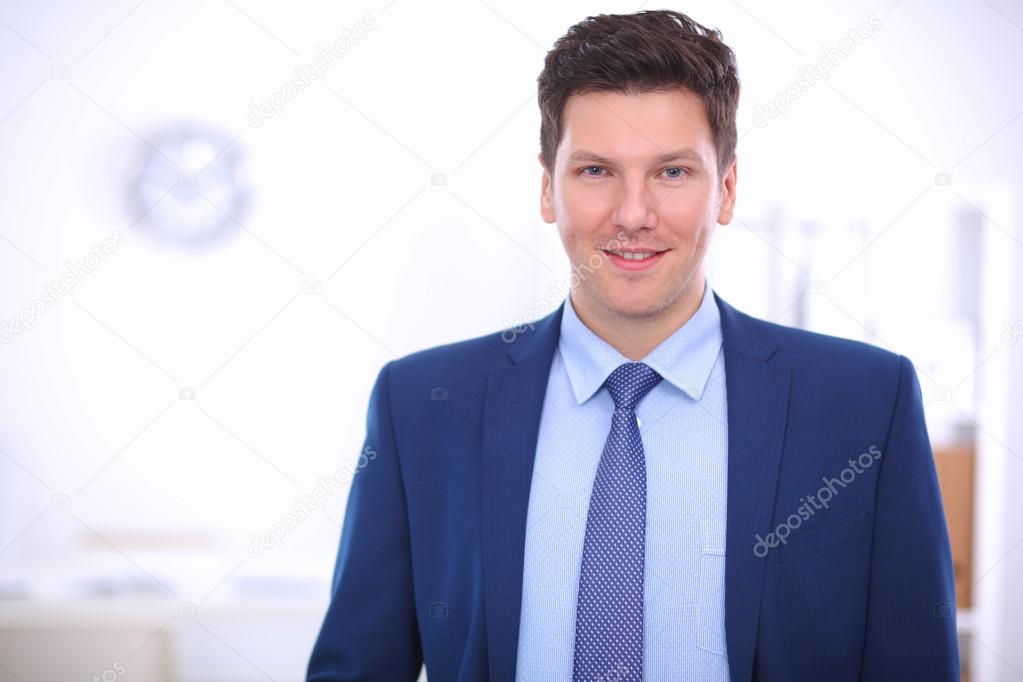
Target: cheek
582,208
688,215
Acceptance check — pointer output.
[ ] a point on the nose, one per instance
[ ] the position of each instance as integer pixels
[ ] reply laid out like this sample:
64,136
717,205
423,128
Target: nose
636,204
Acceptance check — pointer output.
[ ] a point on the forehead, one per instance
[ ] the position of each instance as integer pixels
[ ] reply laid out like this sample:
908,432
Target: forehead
635,125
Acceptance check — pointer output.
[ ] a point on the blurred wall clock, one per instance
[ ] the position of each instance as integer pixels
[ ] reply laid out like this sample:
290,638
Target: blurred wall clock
190,187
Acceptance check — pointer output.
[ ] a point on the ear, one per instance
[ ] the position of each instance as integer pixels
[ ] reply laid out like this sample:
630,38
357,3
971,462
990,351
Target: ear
727,206
546,193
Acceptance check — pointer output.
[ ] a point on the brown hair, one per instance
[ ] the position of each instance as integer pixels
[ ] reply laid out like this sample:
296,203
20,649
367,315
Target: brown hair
652,50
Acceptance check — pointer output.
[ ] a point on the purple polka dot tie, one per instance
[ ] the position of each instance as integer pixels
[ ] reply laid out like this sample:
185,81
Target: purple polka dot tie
609,613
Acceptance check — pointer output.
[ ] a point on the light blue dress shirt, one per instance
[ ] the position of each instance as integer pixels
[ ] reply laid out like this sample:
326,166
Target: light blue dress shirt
683,423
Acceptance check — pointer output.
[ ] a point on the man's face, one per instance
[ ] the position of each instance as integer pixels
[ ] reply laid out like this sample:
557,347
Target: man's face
614,187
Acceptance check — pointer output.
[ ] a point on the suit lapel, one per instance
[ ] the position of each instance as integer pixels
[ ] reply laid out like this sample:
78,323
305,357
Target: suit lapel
757,408
511,424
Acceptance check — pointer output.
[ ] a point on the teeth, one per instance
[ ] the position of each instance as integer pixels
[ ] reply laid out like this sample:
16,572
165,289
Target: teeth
633,256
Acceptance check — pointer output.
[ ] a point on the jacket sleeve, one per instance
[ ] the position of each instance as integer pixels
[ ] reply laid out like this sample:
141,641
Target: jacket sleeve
911,630
370,631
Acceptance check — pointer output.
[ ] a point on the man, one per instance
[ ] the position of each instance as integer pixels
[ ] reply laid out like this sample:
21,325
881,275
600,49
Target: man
646,483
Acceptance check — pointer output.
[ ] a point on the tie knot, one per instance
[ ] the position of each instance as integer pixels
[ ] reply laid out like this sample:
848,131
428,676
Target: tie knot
629,383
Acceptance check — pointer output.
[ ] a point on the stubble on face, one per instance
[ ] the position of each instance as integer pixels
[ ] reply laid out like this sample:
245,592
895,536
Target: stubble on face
659,301
635,206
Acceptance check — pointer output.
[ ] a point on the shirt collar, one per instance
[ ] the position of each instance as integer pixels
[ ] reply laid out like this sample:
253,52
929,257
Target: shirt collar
684,359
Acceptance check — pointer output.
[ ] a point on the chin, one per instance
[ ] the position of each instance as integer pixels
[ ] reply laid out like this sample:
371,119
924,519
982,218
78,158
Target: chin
637,303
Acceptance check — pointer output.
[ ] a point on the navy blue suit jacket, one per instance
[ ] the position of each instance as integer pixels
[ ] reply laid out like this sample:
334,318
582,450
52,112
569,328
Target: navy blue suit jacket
431,554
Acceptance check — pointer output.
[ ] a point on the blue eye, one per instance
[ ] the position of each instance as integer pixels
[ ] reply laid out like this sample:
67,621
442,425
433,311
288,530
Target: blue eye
681,172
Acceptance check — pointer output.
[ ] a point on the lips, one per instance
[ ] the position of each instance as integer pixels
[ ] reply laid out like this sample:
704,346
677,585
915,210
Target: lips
635,259
634,254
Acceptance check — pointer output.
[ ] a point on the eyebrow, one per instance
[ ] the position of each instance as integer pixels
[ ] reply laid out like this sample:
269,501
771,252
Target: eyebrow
683,154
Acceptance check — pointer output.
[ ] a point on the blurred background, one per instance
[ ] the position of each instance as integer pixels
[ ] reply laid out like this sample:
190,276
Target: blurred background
221,218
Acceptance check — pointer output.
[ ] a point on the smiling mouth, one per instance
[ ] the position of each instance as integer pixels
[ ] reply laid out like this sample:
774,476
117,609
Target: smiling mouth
634,260
634,254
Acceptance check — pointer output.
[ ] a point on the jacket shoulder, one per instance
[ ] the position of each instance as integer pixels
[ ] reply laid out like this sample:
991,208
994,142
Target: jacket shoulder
455,371
822,352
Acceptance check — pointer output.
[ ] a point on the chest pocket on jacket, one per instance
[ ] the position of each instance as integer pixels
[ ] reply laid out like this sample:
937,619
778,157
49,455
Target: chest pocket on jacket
824,535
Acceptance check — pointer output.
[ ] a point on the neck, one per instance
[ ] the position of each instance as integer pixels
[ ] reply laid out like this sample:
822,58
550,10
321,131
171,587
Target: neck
635,337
